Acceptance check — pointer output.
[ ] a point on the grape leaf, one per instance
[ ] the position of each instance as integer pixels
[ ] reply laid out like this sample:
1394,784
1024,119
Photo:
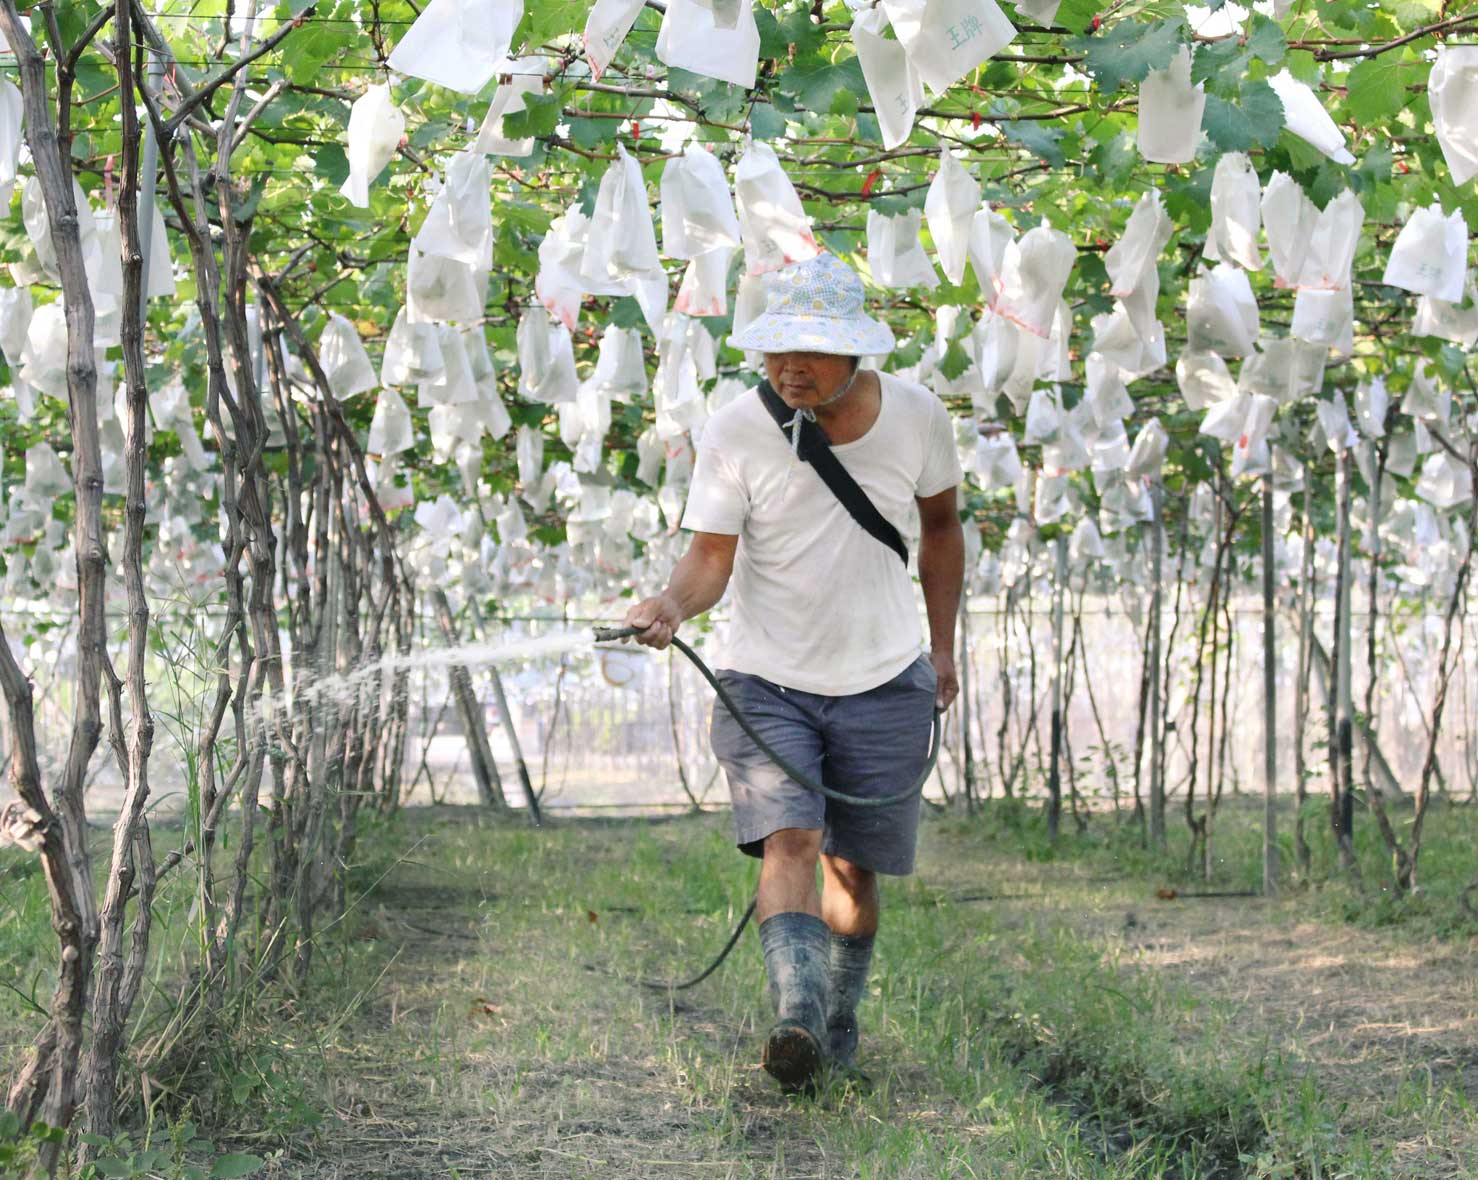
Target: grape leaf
540,116
955,361
550,18
1040,140
765,122
591,134
1224,63
794,34
1129,50
1077,15
1115,159
1255,121
330,162
1377,89
815,88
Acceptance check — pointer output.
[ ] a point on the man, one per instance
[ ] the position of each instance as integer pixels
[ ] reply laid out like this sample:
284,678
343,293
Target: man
823,653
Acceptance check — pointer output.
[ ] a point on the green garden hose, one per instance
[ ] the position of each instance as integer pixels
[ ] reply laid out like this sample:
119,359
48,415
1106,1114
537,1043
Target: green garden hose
609,634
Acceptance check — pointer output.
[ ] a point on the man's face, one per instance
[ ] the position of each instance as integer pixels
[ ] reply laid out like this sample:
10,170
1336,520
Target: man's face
806,379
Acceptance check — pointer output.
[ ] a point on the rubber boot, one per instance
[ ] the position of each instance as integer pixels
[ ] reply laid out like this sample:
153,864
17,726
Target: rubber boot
851,958
797,965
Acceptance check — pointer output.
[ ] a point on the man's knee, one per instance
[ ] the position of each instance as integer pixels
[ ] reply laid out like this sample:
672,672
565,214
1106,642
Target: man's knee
794,846
854,880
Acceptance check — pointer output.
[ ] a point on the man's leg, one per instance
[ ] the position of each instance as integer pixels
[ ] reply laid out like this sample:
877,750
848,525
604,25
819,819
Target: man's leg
788,874
877,744
849,905
849,902
797,949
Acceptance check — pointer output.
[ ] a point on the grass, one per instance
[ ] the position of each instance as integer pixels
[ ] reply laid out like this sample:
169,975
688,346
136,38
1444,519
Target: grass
1000,1046
1114,844
472,1017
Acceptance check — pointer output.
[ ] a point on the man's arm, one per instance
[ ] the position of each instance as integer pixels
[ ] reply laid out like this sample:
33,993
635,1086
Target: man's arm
942,575
697,582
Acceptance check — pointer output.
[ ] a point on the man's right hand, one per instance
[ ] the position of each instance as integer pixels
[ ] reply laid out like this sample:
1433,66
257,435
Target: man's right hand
658,618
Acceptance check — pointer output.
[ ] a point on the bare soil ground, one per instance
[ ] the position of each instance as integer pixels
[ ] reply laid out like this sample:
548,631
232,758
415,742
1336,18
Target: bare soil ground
488,1046
1386,1021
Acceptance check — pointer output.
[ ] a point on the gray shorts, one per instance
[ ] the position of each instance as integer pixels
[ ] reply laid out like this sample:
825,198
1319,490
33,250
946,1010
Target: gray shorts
872,743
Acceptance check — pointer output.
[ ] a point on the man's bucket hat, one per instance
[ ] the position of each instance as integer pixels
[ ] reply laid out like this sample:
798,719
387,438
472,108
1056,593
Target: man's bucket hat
815,306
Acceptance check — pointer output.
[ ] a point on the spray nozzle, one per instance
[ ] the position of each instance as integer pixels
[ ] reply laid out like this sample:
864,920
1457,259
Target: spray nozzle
611,634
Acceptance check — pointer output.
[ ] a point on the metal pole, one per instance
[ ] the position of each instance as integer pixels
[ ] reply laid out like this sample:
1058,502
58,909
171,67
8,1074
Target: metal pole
1269,698
1344,699
523,770
1054,774
965,703
1157,760
148,181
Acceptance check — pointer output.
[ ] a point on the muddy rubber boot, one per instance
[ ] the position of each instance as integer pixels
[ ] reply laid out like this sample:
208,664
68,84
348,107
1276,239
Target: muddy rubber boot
797,965
851,958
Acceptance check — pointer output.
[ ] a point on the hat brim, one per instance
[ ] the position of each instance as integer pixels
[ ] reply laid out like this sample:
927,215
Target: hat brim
772,332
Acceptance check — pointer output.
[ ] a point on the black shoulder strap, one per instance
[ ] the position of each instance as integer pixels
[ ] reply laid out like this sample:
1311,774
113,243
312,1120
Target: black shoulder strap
816,450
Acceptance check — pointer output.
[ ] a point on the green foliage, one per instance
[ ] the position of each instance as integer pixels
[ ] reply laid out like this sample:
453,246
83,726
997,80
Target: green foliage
1080,169
765,122
1376,87
788,33
825,87
540,116
1128,50
1225,64
549,18
1043,140
186,1156
1255,120
19,1148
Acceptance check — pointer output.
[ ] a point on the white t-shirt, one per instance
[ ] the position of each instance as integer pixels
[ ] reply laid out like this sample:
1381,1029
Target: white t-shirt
818,604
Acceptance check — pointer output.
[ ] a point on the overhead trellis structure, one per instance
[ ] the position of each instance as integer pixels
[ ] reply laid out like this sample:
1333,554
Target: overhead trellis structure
353,318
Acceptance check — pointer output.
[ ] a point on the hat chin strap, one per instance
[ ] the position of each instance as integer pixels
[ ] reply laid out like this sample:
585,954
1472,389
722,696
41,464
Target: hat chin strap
809,415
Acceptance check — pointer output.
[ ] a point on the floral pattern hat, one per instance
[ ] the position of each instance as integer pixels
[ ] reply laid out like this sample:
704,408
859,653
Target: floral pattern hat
814,306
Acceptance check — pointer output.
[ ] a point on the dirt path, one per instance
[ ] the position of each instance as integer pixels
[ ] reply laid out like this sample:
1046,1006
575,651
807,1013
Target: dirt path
1387,1022
489,1048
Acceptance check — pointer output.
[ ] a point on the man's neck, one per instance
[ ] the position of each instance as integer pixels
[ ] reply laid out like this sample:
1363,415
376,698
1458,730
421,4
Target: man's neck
850,417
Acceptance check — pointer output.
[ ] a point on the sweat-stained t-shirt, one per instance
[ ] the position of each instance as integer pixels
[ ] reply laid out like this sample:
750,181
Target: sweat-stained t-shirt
818,604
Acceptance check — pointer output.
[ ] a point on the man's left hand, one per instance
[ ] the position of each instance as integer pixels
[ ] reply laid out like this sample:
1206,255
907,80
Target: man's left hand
949,684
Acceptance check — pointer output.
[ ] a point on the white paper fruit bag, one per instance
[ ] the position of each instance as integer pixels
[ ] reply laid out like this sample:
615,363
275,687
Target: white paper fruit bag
390,430
1305,116
1034,272
1236,213
772,222
947,39
697,207
1452,91
524,76
893,83
345,362
699,36
622,242
1289,218
458,43
375,128
412,354
895,254
1430,255
1170,110
1221,313
950,206
546,359
605,29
